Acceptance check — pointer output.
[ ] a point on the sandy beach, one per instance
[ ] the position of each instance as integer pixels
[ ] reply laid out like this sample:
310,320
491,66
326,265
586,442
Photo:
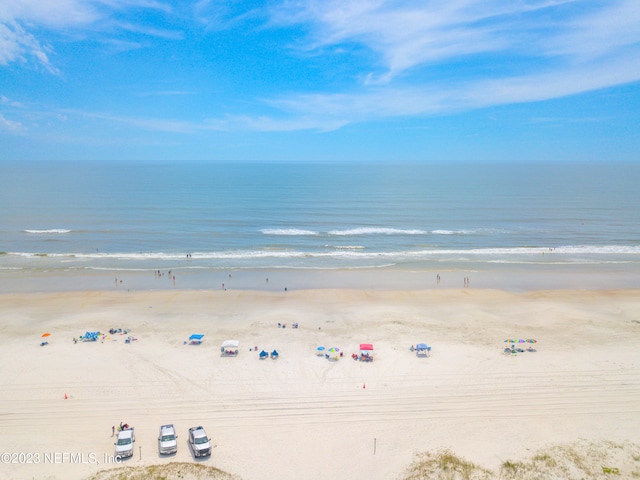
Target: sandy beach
302,415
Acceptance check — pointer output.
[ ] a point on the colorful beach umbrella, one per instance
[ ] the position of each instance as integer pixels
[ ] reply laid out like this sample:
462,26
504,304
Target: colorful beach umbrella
46,334
334,352
531,340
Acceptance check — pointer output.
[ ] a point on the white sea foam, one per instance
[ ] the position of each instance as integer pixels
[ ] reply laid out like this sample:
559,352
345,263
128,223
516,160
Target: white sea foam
450,232
578,253
377,231
472,231
287,231
49,231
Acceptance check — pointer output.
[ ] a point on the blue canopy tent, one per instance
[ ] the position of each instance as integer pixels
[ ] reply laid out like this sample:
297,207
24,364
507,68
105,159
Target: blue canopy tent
196,339
263,355
423,349
90,336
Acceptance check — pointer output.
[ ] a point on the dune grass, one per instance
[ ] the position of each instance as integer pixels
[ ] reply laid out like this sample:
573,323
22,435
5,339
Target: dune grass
582,460
168,471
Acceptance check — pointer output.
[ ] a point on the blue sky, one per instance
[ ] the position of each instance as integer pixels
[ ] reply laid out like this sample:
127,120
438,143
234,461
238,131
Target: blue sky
320,80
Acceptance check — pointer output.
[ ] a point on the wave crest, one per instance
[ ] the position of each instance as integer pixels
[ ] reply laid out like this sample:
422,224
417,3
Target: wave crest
48,231
287,231
377,231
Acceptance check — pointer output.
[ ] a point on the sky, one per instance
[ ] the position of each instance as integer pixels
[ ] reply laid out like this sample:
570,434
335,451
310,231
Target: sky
320,80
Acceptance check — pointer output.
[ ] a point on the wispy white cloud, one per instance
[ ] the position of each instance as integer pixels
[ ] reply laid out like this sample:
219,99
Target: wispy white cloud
17,45
387,101
151,32
166,93
11,126
598,33
522,50
407,34
260,123
151,124
514,51
217,15
19,19
7,101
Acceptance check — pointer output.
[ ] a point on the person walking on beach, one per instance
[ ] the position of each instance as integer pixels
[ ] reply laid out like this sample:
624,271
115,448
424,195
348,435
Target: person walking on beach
113,430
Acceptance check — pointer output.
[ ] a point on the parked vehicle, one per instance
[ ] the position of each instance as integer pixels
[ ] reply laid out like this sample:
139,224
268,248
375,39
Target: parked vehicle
124,444
199,442
167,440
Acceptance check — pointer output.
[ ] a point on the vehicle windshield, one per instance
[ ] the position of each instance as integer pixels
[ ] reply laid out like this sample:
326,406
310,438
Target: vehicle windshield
168,438
124,441
200,440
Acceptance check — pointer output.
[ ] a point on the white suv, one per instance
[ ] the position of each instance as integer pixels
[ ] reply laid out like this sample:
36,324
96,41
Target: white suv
199,442
167,440
124,445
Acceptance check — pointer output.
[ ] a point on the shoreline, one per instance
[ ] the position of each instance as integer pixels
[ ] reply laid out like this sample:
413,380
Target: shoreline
509,277
582,383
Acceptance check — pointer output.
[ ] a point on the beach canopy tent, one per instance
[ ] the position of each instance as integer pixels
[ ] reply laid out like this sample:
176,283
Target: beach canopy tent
274,354
423,349
263,355
366,351
230,347
196,339
90,336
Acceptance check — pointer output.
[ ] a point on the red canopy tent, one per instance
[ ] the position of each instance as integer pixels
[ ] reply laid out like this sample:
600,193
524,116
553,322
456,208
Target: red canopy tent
366,352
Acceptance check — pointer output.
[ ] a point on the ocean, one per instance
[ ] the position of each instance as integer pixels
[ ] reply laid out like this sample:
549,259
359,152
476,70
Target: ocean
212,217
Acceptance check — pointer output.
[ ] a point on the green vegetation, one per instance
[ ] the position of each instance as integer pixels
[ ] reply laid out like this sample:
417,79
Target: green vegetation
582,460
444,465
169,471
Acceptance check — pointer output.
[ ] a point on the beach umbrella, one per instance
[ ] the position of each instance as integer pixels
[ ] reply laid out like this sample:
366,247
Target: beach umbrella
508,340
531,340
320,348
522,341
334,352
46,334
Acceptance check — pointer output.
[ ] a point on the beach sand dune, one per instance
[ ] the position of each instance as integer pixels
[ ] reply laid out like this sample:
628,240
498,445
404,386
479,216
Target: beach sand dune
302,415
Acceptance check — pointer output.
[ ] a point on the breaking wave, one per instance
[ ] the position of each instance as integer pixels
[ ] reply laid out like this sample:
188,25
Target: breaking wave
50,231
